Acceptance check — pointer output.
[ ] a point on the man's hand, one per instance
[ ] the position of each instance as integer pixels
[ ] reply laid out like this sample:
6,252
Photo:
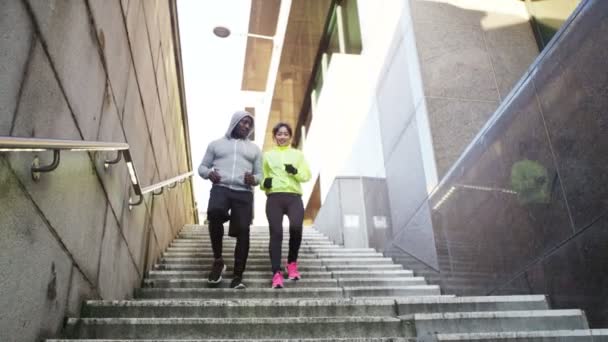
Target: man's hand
268,183
214,177
290,169
249,179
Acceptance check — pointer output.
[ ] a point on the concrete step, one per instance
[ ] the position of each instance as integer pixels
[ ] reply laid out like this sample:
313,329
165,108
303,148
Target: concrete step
597,335
429,324
228,251
189,237
250,267
376,281
265,282
253,229
474,304
357,261
264,242
340,249
265,274
334,249
288,292
381,267
339,253
209,254
301,268
253,245
255,248
336,339
372,273
249,293
266,260
248,274
326,307
226,328
225,283
250,261
392,291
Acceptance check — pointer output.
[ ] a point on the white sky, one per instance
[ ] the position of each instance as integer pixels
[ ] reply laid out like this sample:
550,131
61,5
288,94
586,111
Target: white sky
213,70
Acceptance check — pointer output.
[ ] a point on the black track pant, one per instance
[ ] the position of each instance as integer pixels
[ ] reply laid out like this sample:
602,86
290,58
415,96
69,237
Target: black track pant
277,205
240,204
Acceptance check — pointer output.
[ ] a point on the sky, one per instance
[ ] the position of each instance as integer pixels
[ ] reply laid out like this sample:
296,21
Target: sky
213,70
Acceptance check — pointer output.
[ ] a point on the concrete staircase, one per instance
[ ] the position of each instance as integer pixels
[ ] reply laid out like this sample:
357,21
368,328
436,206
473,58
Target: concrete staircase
345,295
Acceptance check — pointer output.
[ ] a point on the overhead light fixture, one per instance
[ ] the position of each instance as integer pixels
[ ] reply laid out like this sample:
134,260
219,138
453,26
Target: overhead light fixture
221,31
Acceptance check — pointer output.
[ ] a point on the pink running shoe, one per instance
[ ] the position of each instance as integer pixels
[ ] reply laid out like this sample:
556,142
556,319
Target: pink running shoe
277,280
292,271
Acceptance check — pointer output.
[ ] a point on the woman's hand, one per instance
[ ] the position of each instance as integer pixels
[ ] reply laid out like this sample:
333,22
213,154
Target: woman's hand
290,169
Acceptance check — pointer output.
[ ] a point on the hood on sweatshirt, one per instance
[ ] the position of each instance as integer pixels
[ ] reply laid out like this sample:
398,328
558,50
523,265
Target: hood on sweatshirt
236,117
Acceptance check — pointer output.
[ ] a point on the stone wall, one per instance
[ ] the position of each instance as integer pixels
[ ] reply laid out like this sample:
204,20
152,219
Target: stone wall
525,209
104,70
471,54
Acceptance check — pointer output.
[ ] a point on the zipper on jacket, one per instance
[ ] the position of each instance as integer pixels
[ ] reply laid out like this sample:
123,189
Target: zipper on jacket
233,163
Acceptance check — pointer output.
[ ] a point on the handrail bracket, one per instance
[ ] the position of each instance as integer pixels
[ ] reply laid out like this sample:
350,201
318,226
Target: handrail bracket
37,169
107,163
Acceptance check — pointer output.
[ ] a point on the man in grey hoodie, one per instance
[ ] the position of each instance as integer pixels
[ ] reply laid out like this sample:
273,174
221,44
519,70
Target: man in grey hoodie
234,165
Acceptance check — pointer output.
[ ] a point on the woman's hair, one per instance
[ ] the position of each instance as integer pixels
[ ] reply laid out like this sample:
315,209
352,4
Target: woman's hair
278,126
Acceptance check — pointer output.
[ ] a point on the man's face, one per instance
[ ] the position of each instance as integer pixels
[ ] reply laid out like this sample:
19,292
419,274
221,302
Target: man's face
243,128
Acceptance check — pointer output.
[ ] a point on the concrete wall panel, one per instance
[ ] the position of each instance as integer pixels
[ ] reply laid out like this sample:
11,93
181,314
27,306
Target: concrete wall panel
17,31
377,212
454,123
74,53
112,35
117,272
43,110
151,17
133,223
329,220
405,177
395,102
160,222
76,227
509,64
115,178
78,80
32,298
80,290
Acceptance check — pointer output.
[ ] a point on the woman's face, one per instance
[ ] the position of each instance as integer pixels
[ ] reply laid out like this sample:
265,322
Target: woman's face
282,137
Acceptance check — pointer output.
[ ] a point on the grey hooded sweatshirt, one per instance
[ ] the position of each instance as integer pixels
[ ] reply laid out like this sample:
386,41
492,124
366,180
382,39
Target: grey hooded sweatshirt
232,157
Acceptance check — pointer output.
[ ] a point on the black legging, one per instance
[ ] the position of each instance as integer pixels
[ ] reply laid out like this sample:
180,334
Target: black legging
277,205
240,204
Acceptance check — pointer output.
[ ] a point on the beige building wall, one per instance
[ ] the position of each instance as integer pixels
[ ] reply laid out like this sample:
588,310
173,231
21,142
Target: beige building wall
103,70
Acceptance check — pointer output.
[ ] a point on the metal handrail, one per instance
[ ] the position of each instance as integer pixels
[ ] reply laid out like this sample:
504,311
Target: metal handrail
15,144
169,183
8,144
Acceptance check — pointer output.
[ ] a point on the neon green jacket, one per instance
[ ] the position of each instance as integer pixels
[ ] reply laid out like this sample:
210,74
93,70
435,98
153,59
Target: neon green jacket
273,166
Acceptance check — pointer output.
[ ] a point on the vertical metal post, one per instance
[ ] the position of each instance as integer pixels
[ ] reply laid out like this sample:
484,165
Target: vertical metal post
341,33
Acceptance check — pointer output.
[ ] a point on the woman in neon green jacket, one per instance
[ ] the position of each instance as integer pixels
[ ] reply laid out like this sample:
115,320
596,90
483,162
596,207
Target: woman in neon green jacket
284,168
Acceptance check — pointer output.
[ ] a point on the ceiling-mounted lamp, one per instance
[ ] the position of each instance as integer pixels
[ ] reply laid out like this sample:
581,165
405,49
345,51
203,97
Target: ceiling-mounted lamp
221,31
